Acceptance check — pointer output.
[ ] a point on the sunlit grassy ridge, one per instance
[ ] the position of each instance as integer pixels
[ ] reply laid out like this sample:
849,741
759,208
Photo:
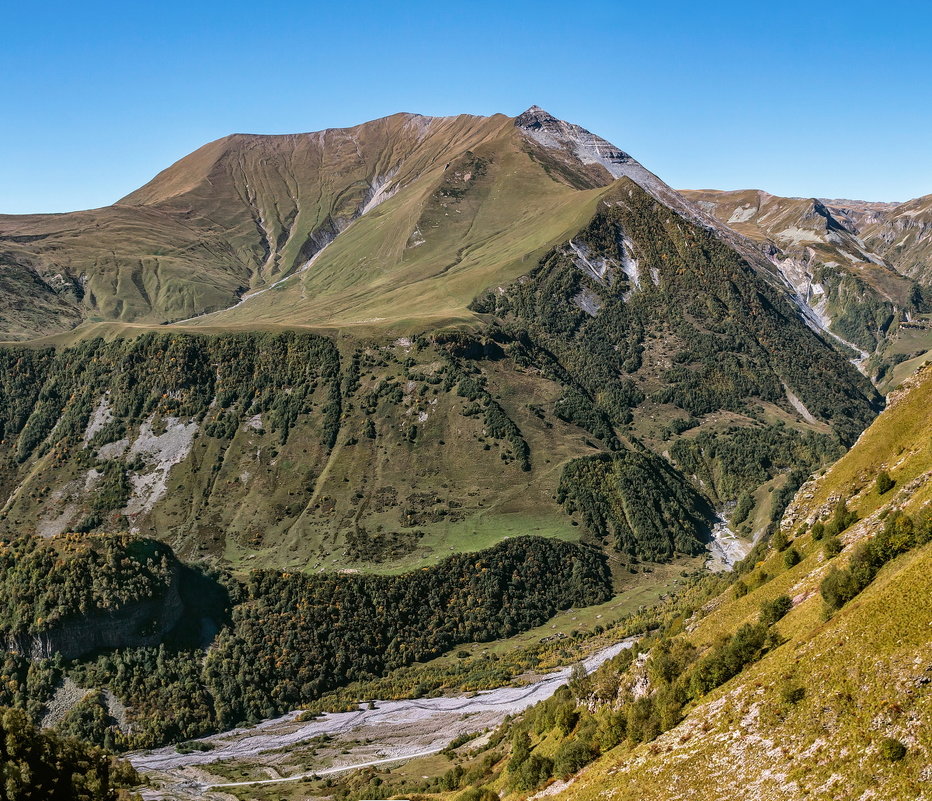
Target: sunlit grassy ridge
423,213
810,719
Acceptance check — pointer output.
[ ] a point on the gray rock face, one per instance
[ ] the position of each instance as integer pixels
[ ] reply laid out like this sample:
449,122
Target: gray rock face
142,624
588,148
585,145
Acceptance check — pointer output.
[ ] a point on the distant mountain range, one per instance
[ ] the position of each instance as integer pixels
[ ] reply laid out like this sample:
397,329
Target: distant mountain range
857,265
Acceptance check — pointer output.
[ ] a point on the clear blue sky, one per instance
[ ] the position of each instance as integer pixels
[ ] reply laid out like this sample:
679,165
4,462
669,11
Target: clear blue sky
824,99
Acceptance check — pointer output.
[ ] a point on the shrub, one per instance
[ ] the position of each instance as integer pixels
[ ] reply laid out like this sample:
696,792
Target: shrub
779,541
565,717
743,509
571,757
643,720
772,611
532,772
727,659
520,750
892,749
818,530
791,694
832,547
612,728
900,533
842,517
884,483
838,587
791,558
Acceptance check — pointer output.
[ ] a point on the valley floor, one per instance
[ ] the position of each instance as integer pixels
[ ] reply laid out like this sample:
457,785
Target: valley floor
337,742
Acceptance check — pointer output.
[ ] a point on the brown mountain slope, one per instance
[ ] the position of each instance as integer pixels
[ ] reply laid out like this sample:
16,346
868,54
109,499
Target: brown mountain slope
469,202
838,256
235,214
903,236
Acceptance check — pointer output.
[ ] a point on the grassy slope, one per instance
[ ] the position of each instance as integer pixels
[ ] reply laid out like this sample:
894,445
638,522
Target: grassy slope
255,503
258,503
234,215
373,274
864,671
241,213
29,305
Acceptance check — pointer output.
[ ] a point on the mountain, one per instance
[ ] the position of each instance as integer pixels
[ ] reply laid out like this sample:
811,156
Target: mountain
862,268
470,202
246,211
618,350
336,403
901,233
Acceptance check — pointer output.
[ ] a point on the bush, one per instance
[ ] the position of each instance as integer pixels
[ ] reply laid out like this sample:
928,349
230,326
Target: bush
727,660
643,721
892,749
520,750
772,611
838,587
532,772
571,757
832,547
900,533
791,558
190,746
884,483
612,728
818,530
743,509
842,517
779,542
791,694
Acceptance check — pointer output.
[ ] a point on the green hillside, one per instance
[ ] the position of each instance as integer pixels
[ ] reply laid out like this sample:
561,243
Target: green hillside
310,452
806,677
305,411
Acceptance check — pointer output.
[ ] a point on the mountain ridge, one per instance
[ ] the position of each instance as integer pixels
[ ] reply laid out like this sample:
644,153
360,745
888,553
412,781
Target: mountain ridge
244,213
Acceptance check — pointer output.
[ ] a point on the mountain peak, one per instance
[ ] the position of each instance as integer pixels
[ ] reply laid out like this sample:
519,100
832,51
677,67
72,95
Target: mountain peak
535,116
557,134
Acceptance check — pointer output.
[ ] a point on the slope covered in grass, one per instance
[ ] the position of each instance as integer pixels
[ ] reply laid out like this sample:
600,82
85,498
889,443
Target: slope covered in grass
808,677
820,714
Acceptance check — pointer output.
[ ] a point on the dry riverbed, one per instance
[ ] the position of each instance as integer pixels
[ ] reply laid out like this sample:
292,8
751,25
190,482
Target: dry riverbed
286,749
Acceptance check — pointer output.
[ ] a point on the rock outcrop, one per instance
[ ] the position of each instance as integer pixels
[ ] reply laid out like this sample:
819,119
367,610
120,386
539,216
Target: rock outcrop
140,624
